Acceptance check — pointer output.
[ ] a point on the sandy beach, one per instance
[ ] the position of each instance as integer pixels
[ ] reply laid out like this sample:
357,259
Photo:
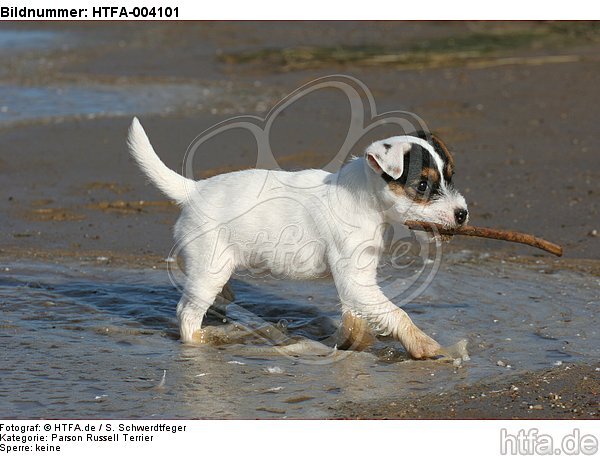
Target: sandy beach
517,102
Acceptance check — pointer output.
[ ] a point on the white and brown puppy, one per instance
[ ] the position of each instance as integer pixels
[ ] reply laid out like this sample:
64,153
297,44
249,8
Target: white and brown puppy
308,224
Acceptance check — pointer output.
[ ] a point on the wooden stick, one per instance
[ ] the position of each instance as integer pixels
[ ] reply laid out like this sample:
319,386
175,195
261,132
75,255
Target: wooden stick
504,235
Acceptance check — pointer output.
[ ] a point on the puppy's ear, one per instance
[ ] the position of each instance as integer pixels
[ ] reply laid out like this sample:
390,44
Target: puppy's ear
387,157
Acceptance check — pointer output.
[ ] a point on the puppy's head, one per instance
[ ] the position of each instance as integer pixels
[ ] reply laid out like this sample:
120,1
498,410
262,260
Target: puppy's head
416,179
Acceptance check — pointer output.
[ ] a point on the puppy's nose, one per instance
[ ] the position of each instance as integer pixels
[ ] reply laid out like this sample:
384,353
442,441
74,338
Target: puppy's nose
460,215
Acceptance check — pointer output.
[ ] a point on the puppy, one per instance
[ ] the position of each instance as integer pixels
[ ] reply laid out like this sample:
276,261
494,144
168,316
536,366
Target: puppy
308,224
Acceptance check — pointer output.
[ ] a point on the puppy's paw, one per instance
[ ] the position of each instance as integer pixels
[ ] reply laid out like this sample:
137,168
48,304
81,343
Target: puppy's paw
213,335
422,346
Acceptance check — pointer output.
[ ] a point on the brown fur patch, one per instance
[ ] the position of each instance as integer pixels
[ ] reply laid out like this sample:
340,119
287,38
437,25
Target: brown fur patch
408,192
396,188
449,168
431,175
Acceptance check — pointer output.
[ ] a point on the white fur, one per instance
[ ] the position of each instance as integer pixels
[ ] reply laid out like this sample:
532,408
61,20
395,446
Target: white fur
298,225
388,155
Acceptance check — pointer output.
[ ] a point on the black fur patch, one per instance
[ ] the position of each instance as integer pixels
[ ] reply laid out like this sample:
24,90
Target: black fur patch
416,160
441,150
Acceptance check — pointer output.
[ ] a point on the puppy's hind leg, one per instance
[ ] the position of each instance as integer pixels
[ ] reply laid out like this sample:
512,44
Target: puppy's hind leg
225,297
200,293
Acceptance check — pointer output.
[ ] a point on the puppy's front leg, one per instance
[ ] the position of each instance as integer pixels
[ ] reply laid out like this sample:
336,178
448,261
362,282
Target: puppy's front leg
360,293
354,332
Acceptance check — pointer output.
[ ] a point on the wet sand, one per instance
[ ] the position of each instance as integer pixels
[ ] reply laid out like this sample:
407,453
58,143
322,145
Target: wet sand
524,135
570,393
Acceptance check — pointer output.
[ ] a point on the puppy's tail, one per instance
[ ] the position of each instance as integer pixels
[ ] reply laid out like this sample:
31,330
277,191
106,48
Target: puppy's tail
175,186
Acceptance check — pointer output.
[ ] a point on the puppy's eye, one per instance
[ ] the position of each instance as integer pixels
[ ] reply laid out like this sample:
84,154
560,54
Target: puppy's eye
422,186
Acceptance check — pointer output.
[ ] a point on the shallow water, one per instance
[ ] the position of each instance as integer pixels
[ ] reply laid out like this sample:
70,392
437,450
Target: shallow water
98,341
18,40
29,103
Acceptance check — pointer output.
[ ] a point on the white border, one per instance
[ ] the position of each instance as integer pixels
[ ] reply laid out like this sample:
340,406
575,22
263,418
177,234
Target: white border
305,438
347,10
